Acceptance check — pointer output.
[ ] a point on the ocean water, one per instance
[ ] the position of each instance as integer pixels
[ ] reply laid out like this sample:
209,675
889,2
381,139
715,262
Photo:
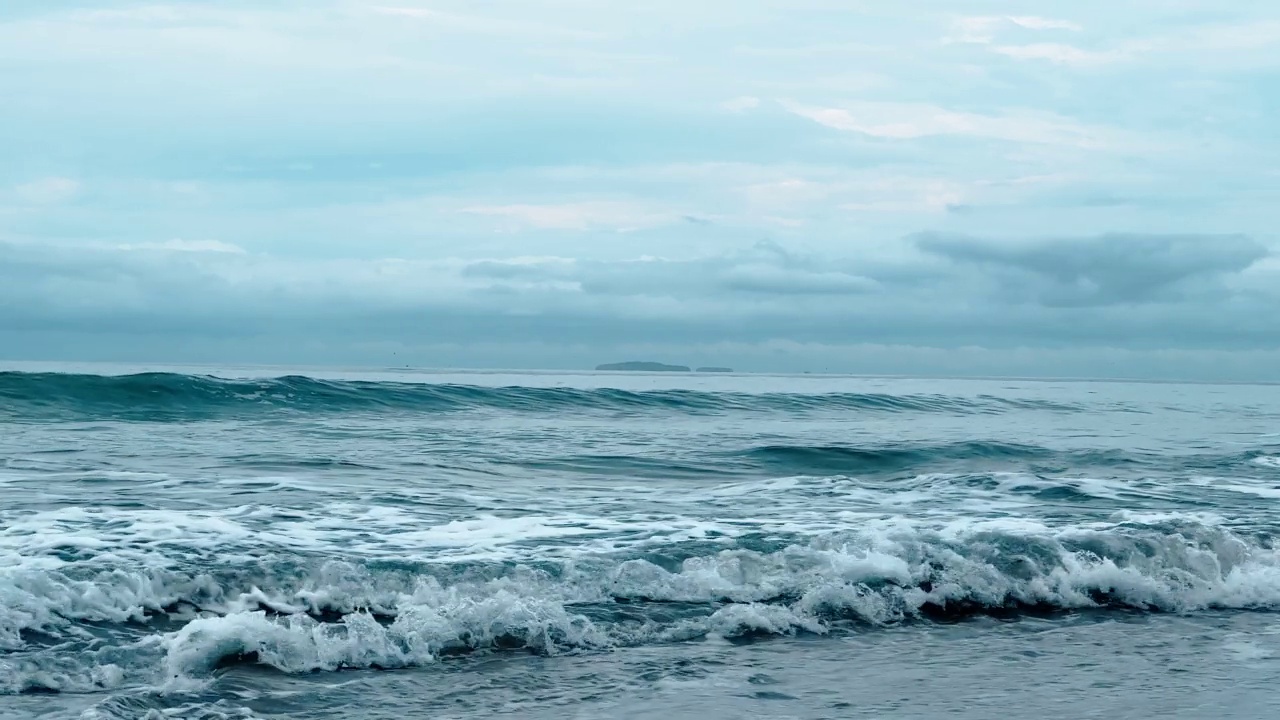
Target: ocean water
239,543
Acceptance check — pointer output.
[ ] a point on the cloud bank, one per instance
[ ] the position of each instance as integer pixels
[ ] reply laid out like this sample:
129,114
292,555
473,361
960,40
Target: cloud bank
798,185
766,307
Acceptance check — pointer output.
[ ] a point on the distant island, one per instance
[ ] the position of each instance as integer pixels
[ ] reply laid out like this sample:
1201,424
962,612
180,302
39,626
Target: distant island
639,366
643,367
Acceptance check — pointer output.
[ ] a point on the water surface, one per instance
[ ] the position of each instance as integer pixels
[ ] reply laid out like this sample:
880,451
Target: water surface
248,543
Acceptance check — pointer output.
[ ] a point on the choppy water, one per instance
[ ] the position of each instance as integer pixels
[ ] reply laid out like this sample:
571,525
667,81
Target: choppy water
396,544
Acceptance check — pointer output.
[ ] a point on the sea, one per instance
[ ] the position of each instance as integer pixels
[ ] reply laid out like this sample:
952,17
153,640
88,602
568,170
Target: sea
237,543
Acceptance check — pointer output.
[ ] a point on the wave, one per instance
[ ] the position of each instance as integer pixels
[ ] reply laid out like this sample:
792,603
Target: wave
862,461
902,456
341,615
165,396
866,461
1267,461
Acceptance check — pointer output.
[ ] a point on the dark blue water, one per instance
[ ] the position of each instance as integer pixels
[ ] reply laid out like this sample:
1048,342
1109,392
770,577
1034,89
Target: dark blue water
288,544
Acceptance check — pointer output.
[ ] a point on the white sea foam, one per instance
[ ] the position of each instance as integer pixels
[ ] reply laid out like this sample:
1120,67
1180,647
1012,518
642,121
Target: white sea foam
799,589
1270,493
419,633
220,710
882,572
301,612
360,531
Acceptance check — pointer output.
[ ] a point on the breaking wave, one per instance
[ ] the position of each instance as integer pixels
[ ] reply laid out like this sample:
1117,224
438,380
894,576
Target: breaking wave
296,617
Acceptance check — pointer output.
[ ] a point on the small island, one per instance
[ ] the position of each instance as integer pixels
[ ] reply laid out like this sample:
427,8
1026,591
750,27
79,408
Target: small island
635,366
714,370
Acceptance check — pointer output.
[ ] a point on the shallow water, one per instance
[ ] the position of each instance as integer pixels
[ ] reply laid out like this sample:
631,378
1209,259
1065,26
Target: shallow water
268,544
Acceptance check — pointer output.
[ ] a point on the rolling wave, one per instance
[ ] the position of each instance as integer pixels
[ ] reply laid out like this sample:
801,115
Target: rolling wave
296,617
905,456
172,396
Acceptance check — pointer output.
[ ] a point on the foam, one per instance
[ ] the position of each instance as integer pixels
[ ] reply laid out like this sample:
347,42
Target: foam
1271,493
798,589
125,708
89,672
301,615
158,538
418,635
977,494
758,619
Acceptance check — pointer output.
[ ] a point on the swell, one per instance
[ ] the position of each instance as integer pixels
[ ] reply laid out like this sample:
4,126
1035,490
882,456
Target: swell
808,459
165,396
895,458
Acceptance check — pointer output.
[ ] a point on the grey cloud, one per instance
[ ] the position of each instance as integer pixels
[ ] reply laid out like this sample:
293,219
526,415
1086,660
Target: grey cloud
769,279
957,292
499,270
765,269
1108,269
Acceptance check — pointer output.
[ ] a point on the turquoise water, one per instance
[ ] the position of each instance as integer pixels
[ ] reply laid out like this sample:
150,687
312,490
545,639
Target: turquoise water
250,543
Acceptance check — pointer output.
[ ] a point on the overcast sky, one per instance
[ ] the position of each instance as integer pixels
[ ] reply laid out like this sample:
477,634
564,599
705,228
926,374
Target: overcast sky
920,187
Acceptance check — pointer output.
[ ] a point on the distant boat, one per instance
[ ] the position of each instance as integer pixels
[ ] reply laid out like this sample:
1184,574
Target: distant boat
715,369
635,366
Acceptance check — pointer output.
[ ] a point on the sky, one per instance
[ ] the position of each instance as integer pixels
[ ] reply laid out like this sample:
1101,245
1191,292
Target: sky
927,187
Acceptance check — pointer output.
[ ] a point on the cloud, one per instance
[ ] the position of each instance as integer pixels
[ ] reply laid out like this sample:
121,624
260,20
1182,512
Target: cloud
903,121
895,195
982,29
618,216
1107,269
47,191
1032,22
978,30
1193,44
200,289
765,270
773,280
1231,37
881,190
494,23
1060,54
1191,292
591,173
411,12
741,104
190,246
146,14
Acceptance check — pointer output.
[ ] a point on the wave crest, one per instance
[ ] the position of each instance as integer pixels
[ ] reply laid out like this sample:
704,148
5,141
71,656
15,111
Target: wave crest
345,615
172,396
